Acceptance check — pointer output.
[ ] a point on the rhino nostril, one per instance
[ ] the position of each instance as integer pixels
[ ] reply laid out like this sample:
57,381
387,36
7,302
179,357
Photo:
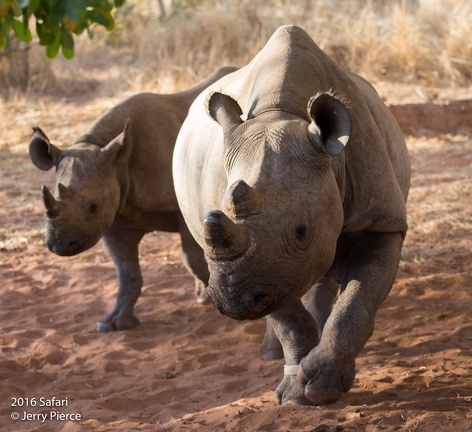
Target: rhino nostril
259,303
260,299
73,244
214,215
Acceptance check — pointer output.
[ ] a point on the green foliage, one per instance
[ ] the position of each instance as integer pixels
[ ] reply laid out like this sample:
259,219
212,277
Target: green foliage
56,21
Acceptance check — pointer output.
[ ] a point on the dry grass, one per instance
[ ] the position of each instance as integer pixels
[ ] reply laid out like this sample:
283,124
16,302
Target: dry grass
414,41
423,41
423,44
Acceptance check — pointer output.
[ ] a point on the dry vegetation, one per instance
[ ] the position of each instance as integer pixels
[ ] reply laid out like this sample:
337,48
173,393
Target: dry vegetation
409,49
425,42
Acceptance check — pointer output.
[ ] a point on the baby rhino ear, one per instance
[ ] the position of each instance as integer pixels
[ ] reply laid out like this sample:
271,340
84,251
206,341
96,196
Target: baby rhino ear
119,149
330,126
42,153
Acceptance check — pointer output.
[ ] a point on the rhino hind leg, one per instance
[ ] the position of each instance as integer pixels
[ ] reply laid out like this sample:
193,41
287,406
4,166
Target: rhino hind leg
116,321
271,348
193,258
122,244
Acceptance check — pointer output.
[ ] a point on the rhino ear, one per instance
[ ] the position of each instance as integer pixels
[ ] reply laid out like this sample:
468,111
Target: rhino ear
225,110
42,153
330,126
119,149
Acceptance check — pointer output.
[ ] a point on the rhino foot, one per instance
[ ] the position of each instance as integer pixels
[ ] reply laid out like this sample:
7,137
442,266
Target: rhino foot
117,323
291,392
202,300
272,354
325,380
201,293
316,383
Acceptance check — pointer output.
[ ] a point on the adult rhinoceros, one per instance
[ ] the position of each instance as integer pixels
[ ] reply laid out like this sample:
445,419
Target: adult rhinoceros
292,175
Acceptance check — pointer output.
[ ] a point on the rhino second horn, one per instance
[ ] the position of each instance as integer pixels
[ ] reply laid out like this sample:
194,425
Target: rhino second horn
241,200
64,191
226,239
52,205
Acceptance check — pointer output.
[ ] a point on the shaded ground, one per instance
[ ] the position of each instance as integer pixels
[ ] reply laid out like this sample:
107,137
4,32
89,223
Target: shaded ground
187,368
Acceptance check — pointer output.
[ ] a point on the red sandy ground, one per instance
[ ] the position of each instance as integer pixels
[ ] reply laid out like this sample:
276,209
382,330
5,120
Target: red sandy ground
188,368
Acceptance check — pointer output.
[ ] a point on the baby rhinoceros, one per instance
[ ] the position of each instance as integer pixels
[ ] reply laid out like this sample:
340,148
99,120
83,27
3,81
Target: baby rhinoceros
115,183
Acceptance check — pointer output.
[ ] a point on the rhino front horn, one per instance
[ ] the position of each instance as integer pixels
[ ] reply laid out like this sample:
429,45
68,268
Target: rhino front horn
225,239
243,201
51,204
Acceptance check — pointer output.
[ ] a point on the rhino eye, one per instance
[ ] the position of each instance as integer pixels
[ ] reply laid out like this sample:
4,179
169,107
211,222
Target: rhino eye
301,232
93,209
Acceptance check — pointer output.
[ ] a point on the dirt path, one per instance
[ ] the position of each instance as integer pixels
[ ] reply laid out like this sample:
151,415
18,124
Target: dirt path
187,368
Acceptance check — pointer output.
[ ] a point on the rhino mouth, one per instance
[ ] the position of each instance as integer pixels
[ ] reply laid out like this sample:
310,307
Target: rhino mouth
68,247
253,304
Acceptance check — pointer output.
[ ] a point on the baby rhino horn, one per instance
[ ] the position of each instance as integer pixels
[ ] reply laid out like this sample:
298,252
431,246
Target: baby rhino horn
242,201
53,206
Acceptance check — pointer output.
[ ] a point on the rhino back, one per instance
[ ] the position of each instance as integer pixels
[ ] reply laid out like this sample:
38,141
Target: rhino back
155,122
377,167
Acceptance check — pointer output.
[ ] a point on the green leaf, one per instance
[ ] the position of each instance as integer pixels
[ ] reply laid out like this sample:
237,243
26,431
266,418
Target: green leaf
102,17
51,3
75,12
53,48
105,5
33,6
66,39
15,5
56,15
57,21
68,54
22,31
46,36
3,32
78,29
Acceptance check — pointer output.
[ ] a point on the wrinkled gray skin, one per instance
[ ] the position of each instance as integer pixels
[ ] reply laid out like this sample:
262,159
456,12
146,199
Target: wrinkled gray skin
292,175
115,183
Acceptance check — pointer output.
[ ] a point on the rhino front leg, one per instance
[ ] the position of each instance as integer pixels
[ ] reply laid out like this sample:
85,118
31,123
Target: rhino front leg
297,331
329,369
193,258
122,244
318,301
